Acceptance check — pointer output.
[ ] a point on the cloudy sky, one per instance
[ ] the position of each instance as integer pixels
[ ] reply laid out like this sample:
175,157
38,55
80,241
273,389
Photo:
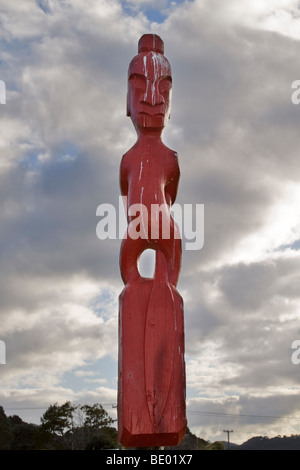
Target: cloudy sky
63,132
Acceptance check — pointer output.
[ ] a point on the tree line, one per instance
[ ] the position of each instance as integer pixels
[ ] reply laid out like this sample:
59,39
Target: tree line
63,427
70,427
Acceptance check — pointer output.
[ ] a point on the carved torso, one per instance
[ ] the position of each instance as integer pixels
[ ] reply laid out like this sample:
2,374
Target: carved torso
150,174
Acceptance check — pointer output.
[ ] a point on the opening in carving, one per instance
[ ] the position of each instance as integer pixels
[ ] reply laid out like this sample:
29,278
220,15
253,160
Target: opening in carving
146,264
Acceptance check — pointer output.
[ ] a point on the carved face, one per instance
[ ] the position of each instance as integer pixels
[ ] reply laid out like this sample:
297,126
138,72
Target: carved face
149,90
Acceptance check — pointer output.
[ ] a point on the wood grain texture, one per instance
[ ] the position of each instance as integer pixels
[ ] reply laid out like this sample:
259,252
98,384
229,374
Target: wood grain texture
151,382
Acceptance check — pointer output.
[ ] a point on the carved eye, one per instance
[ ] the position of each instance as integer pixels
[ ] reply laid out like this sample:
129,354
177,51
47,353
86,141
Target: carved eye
165,85
138,81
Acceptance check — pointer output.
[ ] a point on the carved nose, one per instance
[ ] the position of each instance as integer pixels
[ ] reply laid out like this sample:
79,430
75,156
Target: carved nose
152,95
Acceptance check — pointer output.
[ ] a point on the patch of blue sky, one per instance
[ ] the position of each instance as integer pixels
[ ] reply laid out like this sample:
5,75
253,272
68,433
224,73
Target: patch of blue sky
43,5
66,151
35,157
105,305
100,373
153,13
4,44
31,160
293,246
9,71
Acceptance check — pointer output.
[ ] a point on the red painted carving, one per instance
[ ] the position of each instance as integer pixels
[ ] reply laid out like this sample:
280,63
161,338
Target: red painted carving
151,386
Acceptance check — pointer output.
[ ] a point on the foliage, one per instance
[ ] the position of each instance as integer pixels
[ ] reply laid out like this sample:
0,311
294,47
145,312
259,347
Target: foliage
62,427
24,434
88,427
95,416
218,445
105,439
58,419
6,436
275,443
73,427
192,442
95,425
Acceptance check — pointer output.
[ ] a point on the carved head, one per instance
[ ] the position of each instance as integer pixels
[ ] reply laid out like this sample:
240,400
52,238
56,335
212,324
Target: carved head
149,84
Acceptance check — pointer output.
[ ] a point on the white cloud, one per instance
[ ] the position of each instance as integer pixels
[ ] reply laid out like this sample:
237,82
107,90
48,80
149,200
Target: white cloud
278,16
63,131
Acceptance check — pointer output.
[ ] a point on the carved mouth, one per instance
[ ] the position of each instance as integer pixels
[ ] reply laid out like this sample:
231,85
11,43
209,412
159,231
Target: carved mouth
143,113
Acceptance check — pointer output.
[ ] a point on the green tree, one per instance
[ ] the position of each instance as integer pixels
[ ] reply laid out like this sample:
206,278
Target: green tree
57,421
105,439
6,436
72,427
218,445
95,416
24,434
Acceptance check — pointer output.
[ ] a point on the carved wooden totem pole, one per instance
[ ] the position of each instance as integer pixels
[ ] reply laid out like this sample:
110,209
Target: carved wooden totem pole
151,384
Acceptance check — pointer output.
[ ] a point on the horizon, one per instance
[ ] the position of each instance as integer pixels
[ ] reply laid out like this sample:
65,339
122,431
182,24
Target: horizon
234,123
